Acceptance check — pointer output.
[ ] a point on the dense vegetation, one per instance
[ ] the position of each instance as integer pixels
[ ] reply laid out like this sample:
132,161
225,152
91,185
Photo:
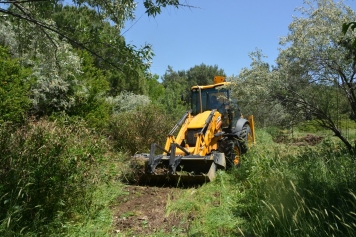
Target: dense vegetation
280,190
73,111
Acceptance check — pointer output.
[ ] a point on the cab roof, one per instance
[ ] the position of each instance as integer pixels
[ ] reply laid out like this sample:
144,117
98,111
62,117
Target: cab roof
211,86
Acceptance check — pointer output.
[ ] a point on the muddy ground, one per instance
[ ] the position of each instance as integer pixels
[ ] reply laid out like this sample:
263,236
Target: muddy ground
141,212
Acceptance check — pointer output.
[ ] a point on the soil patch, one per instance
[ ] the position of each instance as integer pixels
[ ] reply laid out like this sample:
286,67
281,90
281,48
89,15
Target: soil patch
308,140
142,210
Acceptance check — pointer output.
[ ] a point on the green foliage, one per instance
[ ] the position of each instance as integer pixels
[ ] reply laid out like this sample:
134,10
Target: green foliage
309,126
155,88
178,84
124,64
273,131
294,191
135,130
90,100
203,74
209,209
53,64
198,75
14,89
316,67
254,88
56,80
48,175
278,190
154,8
346,27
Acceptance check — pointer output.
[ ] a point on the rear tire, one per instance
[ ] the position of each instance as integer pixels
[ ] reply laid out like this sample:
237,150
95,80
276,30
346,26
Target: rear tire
246,138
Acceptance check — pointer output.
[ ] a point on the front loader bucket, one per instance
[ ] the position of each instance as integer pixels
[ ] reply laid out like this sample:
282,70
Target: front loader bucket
183,170
189,171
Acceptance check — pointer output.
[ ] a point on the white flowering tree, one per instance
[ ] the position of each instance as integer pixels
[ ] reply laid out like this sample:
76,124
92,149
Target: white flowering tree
127,101
316,68
254,88
54,65
315,73
48,37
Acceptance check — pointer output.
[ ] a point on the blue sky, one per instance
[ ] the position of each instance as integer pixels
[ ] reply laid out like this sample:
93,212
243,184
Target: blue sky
219,33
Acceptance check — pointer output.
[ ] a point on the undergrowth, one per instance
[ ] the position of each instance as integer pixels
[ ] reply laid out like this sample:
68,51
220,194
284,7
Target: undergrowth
279,190
51,175
60,179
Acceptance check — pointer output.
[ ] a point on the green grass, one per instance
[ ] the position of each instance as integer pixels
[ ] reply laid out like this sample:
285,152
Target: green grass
97,220
209,209
56,180
280,190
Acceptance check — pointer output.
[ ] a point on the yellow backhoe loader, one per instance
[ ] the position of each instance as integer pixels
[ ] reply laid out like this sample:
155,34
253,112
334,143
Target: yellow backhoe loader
212,135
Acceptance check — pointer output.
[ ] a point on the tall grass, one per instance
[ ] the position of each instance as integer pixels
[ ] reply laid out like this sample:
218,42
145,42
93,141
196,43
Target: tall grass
50,174
308,191
209,209
279,190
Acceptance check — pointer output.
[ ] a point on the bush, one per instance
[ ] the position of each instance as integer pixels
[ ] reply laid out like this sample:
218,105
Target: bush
311,126
46,173
90,102
134,131
14,89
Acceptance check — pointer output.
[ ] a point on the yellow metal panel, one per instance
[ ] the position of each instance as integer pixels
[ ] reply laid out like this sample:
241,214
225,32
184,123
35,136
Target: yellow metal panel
211,86
252,126
199,120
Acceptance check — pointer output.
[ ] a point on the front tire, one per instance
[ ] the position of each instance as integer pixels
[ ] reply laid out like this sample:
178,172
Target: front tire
232,151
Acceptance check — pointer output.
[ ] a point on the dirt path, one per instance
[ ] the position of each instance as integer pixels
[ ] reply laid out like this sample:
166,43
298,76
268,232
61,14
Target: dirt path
141,212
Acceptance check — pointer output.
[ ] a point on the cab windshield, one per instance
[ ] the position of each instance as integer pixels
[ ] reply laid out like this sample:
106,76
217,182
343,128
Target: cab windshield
212,98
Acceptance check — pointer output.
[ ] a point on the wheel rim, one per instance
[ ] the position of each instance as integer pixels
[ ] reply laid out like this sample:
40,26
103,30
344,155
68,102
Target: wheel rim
237,155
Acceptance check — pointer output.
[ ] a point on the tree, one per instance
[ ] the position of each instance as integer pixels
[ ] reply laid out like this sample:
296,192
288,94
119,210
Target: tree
317,67
175,84
203,74
114,13
47,37
253,88
14,89
155,88
87,25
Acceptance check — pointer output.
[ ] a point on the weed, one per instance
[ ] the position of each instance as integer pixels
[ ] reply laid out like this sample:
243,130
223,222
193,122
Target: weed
50,175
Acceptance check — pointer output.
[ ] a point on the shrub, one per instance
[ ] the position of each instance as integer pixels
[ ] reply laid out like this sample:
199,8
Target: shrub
273,131
134,131
90,102
14,89
311,126
46,172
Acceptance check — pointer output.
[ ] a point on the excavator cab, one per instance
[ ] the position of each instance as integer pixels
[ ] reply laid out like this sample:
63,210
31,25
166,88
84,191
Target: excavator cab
212,98
211,135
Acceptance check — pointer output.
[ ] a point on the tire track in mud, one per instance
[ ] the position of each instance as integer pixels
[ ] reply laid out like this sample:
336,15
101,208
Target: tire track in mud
141,211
